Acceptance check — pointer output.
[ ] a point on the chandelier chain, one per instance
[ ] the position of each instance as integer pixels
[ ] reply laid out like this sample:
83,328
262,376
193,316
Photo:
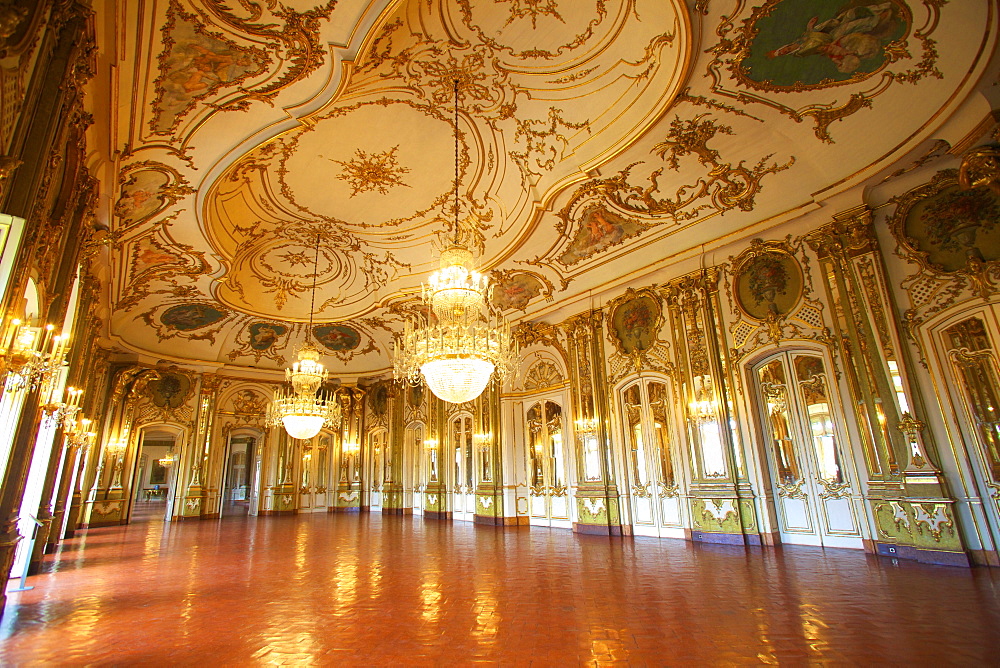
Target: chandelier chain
456,161
312,299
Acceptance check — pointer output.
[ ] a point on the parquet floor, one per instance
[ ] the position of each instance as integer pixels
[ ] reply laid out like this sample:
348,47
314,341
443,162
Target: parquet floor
356,590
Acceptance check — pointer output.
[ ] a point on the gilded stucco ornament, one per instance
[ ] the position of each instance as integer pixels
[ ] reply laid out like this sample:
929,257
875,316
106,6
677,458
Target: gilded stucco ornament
542,375
215,58
952,237
603,213
770,292
534,80
634,324
980,168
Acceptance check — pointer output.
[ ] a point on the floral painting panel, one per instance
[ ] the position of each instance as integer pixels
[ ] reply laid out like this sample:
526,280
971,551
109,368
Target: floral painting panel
170,390
813,43
599,229
769,285
956,226
337,337
634,324
187,317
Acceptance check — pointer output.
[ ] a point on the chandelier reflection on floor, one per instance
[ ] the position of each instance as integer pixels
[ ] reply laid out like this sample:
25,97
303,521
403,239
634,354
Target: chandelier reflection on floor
459,346
305,409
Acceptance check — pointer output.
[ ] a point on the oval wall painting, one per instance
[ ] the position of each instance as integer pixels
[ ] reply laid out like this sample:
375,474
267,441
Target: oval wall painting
186,317
337,337
769,285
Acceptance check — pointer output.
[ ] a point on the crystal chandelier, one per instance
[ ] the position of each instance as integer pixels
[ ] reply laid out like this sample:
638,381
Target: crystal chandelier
458,347
305,409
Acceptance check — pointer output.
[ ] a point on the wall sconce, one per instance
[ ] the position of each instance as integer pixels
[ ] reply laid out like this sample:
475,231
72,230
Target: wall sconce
587,426
78,434
483,440
64,411
431,444
702,406
116,448
351,448
30,356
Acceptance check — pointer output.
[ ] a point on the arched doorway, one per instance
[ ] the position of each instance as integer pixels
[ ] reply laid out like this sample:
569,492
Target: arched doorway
155,471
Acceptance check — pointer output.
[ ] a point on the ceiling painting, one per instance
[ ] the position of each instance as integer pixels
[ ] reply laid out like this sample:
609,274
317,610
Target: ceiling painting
799,44
516,289
261,340
194,65
187,317
596,138
337,337
784,50
147,189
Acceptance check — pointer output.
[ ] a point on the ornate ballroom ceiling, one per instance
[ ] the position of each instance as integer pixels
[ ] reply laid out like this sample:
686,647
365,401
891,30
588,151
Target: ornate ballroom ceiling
600,140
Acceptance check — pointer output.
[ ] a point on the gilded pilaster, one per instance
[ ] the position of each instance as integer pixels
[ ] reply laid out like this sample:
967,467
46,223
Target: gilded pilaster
490,503
436,491
906,489
598,502
392,482
193,504
348,496
722,504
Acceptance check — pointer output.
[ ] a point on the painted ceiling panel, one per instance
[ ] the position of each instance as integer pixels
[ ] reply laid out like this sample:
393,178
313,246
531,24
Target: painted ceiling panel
596,138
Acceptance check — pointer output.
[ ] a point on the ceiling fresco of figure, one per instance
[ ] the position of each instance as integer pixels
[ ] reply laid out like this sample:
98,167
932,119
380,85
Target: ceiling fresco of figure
587,131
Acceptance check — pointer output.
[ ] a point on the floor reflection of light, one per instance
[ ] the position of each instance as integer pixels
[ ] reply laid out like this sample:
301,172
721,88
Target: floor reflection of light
301,543
80,627
430,599
487,618
190,596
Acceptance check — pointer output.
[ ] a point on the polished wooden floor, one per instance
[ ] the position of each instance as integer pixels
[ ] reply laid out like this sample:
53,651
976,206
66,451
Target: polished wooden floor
365,589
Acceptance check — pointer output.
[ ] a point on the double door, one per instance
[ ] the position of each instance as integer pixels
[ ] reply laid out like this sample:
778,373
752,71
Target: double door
547,470
654,501
315,473
816,501
463,468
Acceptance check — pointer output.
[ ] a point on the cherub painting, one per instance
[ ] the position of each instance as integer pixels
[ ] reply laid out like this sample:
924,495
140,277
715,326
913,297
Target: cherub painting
194,66
515,291
263,335
140,196
337,337
821,42
598,230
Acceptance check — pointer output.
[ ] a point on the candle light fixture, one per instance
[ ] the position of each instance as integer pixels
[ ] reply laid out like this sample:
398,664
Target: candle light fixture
305,409
457,347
